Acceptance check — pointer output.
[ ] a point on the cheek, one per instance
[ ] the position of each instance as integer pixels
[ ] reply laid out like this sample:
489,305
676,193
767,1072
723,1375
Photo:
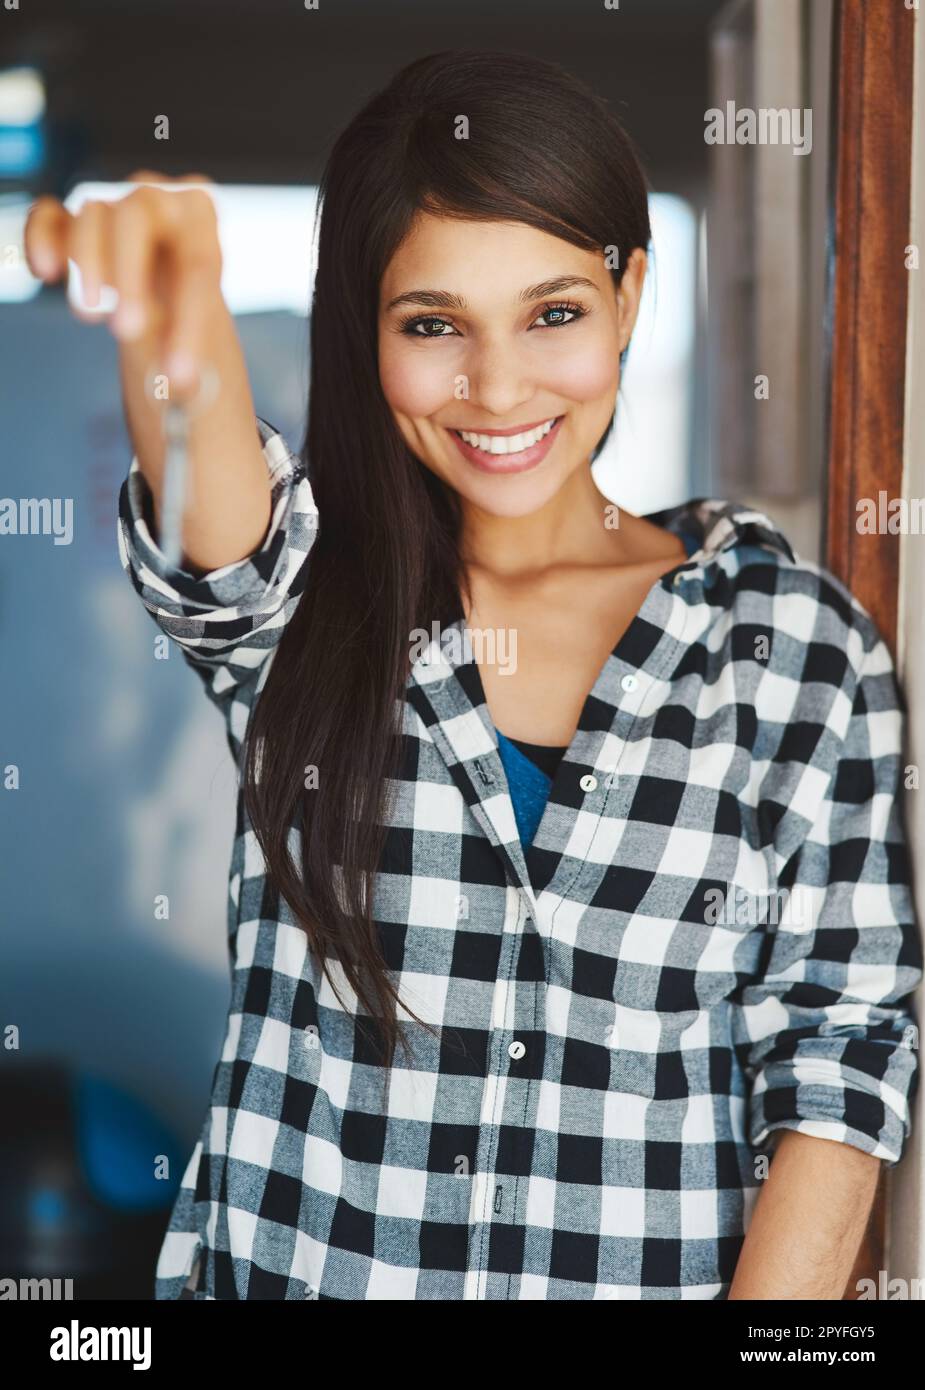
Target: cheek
414,384
589,371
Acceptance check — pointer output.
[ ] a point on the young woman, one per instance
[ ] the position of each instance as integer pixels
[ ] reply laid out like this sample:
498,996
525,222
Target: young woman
515,1013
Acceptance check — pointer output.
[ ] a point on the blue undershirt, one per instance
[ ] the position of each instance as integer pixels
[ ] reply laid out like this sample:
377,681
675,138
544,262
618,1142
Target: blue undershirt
529,787
529,781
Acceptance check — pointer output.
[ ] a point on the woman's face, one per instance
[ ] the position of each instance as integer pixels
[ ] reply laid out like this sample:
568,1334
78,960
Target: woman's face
499,355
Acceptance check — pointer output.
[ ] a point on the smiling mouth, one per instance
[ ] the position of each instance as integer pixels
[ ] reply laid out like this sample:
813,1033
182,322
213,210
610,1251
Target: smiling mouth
508,451
501,443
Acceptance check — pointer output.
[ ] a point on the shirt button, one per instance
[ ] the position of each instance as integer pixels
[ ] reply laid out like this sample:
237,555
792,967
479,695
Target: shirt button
629,682
516,1050
588,783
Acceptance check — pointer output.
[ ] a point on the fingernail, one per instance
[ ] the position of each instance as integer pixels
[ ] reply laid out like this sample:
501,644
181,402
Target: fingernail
46,263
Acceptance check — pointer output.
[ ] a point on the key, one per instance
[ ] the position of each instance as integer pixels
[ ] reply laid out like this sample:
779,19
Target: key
173,497
175,488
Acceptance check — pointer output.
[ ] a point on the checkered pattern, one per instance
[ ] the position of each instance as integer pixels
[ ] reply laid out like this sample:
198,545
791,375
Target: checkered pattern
611,1058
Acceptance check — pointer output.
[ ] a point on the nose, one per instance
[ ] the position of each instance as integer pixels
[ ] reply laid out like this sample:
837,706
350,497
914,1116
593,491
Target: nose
499,379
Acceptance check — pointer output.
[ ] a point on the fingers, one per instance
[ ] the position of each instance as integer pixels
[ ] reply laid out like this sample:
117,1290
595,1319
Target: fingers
88,249
144,225
157,247
147,176
135,231
142,176
197,267
45,239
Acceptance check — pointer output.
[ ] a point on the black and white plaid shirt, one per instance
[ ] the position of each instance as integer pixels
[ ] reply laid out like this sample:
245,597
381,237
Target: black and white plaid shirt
712,937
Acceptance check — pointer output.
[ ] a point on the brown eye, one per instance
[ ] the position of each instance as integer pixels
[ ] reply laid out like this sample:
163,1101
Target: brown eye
558,315
414,326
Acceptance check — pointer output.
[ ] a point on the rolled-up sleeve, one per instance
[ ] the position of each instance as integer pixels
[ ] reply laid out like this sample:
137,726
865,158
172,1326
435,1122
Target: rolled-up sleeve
226,621
828,1035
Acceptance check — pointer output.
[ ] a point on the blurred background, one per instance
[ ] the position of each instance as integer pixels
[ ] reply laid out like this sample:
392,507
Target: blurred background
116,787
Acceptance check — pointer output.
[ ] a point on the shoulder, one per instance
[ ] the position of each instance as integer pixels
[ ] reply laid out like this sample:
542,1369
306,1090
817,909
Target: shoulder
798,645
750,568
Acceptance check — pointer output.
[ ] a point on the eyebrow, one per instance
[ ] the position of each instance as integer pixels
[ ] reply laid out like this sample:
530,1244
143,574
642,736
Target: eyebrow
443,299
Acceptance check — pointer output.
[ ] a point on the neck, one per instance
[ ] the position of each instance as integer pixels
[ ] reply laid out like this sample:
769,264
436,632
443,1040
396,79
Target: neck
573,528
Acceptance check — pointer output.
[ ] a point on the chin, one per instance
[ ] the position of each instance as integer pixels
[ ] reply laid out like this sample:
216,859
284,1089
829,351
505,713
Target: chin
513,497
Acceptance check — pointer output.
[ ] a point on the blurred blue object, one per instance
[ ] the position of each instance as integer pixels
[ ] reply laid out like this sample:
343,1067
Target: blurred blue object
118,1141
22,108
80,1199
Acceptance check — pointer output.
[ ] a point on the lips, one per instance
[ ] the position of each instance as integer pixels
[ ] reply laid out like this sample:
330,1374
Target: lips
508,451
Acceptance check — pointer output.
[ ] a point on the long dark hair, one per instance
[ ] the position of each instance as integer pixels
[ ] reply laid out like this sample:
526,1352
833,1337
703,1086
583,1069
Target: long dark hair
543,150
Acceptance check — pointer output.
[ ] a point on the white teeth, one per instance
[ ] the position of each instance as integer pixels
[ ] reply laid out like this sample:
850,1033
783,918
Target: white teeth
506,443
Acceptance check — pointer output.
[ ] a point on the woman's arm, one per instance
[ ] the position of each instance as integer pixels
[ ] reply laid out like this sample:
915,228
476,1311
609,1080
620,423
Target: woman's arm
158,247
825,1031
808,1222
227,622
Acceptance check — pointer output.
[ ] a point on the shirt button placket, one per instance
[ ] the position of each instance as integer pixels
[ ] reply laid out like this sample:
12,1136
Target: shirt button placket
589,782
487,1193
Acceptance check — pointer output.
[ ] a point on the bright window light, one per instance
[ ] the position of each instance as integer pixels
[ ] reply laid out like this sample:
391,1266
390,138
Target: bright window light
645,464
266,235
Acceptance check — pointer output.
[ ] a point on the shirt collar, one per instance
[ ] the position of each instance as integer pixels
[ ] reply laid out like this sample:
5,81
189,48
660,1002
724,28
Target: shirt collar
720,526
444,688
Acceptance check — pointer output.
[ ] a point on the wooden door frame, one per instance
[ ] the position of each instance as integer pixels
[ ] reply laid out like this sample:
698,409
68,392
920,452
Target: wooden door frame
868,302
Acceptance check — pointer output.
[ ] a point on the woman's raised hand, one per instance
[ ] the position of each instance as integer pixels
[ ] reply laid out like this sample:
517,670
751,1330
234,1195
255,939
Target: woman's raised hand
158,248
